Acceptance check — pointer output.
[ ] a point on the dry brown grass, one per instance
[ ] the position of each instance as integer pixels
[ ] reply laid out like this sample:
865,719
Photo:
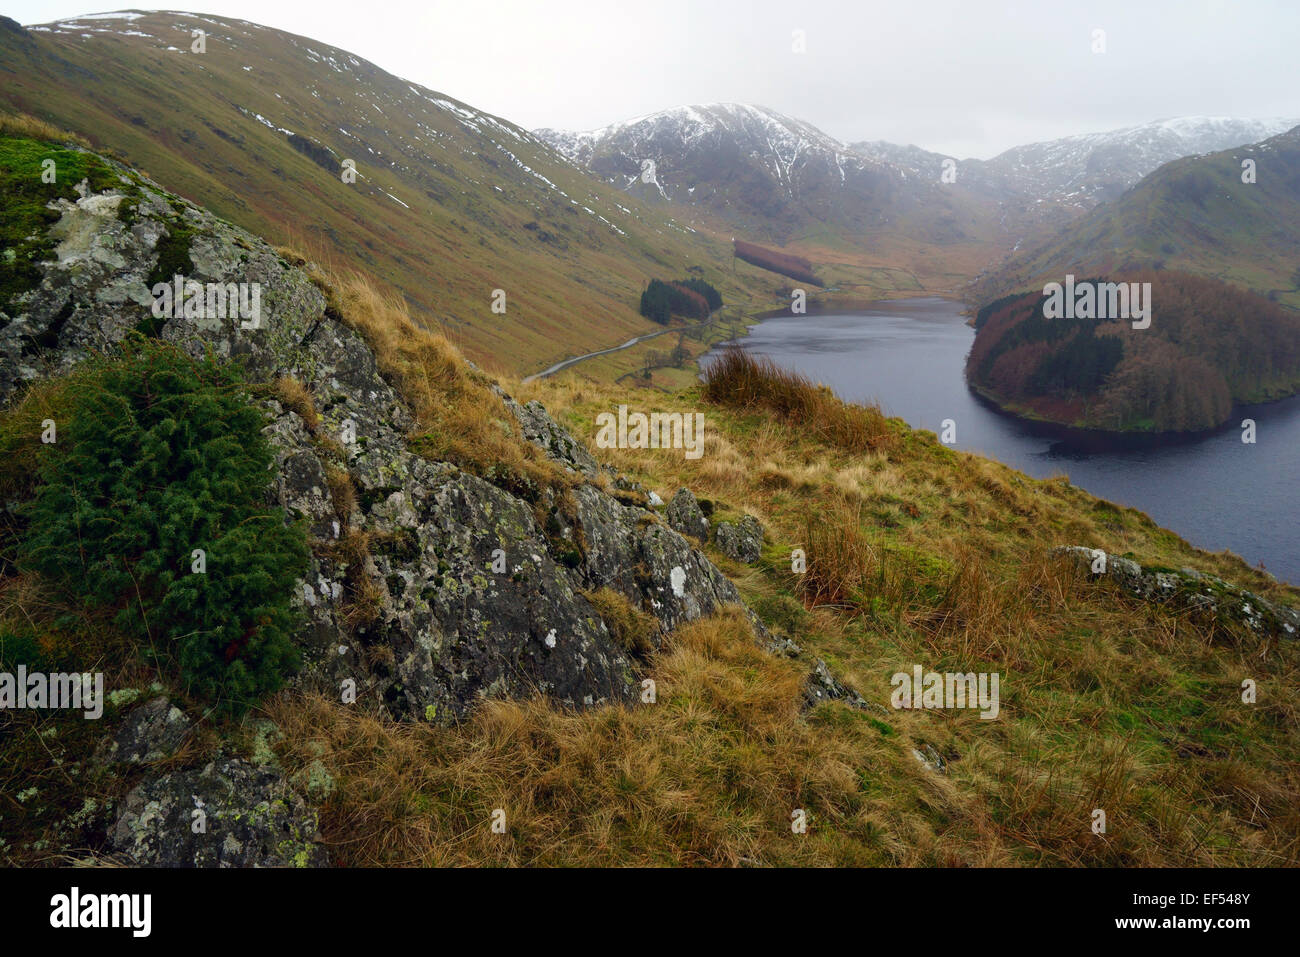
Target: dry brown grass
635,630
26,125
740,380
362,594
459,418
840,559
709,774
293,395
343,493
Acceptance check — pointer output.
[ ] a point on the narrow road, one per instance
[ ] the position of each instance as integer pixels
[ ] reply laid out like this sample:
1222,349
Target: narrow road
591,355
716,317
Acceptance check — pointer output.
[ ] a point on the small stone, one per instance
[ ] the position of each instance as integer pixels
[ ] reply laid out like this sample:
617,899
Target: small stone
252,818
931,760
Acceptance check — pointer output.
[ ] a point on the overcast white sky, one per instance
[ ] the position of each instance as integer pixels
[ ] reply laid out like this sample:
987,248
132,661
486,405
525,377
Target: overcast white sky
967,79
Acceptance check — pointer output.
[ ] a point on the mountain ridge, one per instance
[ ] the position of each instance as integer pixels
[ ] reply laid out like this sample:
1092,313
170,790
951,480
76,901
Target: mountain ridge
766,172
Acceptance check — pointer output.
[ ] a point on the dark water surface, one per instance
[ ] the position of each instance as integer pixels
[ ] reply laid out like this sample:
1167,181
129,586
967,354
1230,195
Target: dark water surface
909,356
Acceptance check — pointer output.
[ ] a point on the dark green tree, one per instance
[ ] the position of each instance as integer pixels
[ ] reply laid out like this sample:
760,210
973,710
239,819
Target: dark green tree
162,458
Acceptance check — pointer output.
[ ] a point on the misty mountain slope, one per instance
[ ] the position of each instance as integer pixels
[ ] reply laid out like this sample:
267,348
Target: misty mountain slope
1083,171
1194,214
1054,181
770,175
448,205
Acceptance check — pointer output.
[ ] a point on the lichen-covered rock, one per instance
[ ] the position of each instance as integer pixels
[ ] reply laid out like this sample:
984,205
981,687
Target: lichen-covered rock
97,288
741,540
629,550
539,428
151,732
685,515
248,817
1208,595
824,686
474,602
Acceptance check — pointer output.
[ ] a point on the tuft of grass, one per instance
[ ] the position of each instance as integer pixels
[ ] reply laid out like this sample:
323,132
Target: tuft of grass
343,492
362,594
635,630
742,381
840,559
295,396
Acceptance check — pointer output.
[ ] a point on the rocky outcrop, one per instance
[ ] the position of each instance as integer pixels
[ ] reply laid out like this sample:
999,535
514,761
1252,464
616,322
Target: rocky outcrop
472,590
1187,588
472,597
538,427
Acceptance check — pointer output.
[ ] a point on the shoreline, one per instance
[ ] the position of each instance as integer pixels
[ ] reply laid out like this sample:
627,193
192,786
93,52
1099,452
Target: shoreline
1079,436
1138,436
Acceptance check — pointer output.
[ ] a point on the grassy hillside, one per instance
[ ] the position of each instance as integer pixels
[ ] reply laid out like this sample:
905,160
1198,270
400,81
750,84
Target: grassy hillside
449,204
1195,215
916,555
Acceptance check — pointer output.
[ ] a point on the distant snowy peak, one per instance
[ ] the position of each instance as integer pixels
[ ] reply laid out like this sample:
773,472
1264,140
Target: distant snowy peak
1205,134
1055,180
767,173
686,128
692,146
701,145
1150,143
1092,167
